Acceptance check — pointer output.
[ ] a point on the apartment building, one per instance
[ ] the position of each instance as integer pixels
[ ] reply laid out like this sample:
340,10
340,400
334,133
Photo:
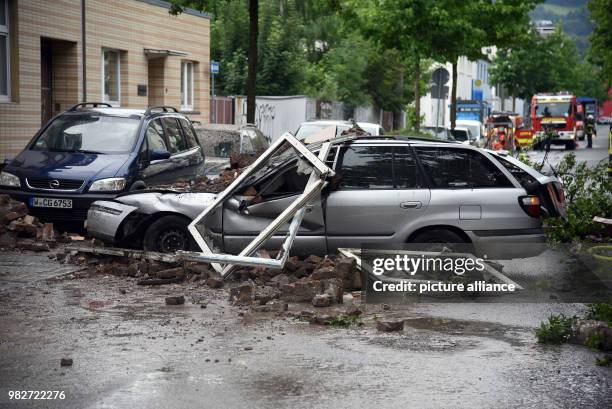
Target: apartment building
129,53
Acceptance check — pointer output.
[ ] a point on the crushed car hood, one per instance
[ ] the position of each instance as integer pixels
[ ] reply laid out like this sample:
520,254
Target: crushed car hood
189,204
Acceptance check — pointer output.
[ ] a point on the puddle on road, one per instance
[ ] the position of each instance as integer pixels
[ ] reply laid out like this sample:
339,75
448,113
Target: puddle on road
509,334
278,386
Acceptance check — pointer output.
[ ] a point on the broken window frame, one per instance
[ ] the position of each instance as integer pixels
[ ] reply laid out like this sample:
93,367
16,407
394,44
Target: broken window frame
224,263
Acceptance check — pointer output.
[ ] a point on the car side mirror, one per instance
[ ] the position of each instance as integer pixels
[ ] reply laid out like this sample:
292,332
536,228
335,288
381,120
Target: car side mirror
159,154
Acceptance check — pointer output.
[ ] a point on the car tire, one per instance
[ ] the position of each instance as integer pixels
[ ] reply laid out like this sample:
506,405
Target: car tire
570,146
437,236
169,234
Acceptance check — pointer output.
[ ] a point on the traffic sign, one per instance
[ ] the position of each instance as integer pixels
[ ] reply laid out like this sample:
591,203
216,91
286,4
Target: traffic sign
440,76
214,67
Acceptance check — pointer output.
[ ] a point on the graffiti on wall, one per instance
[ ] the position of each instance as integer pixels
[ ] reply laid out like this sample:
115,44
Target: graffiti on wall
265,114
264,118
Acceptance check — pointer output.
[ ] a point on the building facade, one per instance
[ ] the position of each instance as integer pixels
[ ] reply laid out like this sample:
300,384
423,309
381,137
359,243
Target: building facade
472,84
129,53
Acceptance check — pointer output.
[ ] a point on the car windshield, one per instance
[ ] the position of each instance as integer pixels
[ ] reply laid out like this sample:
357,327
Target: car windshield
89,133
548,109
308,129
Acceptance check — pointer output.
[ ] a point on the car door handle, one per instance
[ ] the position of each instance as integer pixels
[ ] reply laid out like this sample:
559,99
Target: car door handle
411,205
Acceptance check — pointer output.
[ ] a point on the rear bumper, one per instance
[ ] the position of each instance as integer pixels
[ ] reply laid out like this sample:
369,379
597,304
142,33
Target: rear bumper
508,244
76,215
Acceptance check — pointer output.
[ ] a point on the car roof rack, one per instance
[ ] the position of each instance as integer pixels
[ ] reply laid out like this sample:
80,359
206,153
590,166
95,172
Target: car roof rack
93,105
163,108
424,139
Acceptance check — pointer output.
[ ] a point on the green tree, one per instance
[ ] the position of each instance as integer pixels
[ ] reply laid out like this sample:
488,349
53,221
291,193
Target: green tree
403,26
601,38
546,64
466,27
442,30
178,6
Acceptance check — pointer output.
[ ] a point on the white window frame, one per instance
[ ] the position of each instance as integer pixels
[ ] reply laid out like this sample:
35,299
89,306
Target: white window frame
5,32
186,102
104,99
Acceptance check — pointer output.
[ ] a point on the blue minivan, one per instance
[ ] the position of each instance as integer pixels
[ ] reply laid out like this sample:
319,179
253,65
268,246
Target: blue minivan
94,151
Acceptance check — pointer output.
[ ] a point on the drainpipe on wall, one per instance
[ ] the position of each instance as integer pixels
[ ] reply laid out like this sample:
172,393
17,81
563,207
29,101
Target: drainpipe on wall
83,51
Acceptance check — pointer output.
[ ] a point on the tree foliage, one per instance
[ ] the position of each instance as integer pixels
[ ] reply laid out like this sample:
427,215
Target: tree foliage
601,38
546,64
380,51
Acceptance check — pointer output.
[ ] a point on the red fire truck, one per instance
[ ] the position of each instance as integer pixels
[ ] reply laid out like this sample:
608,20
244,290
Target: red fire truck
555,113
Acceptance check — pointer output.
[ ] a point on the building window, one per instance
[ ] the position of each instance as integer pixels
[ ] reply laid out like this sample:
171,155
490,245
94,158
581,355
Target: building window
111,81
186,86
5,81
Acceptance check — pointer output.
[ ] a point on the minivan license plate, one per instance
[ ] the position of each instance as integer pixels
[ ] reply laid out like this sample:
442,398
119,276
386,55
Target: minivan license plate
50,202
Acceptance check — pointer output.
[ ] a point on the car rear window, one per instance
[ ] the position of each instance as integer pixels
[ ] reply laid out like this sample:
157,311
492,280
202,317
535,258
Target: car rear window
89,133
524,178
377,167
460,168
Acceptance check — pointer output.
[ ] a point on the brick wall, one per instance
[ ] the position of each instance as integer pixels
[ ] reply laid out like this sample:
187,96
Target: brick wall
128,26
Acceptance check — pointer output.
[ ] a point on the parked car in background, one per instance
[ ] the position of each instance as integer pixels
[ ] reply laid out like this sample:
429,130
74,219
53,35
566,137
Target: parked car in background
604,120
440,132
220,141
386,190
94,151
312,127
476,129
462,135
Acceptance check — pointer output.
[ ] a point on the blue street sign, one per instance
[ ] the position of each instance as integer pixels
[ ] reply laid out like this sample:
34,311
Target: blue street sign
214,67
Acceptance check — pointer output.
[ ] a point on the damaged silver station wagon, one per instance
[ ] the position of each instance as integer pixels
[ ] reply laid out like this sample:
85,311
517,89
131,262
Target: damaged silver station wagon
384,190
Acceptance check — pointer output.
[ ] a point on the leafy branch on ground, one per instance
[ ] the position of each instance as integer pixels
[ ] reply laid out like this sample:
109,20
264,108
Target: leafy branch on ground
600,312
587,194
345,321
557,330
605,361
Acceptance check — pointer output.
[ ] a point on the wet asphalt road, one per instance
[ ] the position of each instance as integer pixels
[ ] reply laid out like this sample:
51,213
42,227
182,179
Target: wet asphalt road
130,350
593,155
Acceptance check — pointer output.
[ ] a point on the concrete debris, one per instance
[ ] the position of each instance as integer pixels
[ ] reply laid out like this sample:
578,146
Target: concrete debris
175,300
594,334
266,294
353,311
390,325
204,184
214,282
243,294
322,300
20,230
324,319
300,291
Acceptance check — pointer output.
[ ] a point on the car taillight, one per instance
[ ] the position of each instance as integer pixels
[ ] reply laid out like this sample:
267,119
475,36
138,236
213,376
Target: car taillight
531,205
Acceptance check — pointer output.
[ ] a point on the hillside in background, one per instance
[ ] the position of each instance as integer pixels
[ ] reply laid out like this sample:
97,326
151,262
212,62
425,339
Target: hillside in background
573,15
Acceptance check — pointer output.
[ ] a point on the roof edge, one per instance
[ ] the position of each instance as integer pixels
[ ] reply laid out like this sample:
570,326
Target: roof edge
166,5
